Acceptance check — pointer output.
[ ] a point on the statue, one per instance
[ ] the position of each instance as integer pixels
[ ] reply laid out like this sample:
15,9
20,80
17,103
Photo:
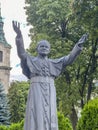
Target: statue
41,103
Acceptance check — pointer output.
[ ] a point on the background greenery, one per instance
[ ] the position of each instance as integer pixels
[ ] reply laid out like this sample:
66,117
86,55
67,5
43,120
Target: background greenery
62,23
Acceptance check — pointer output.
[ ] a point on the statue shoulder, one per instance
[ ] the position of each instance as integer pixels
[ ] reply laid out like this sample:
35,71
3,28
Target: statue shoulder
57,60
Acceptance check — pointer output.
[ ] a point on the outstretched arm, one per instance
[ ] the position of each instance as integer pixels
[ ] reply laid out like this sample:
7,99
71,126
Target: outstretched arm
19,39
75,51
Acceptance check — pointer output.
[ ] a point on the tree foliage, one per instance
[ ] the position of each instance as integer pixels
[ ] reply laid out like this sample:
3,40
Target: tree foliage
85,13
4,107
17,100
49,21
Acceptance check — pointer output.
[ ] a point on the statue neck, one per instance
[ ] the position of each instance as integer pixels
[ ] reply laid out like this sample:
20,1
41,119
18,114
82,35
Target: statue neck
43,56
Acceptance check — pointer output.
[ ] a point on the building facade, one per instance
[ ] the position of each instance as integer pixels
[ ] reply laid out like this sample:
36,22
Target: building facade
4,58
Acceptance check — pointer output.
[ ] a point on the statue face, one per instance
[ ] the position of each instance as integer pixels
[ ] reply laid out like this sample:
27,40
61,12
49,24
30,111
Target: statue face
43,48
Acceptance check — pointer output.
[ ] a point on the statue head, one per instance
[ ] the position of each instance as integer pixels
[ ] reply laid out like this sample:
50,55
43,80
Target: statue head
43,47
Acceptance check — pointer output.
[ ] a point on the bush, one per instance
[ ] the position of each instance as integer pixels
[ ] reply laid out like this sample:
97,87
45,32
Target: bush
89,116
2,127
64,123
14,126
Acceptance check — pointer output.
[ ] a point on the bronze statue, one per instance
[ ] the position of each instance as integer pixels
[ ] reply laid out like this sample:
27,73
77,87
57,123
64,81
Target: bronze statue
41,104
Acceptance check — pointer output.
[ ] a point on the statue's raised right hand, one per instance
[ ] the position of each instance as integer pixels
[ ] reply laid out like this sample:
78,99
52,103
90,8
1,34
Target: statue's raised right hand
83,39
16,27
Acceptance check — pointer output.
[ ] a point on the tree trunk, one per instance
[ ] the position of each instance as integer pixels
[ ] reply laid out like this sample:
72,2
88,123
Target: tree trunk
89,91
73,118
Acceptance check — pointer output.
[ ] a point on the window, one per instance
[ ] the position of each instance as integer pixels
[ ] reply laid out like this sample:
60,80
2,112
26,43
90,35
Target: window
1,56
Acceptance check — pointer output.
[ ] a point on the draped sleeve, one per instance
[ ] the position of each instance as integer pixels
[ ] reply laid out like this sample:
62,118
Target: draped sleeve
31,65
57,65
25,64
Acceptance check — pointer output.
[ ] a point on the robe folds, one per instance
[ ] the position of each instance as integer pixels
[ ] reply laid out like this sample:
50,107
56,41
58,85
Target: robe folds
41,113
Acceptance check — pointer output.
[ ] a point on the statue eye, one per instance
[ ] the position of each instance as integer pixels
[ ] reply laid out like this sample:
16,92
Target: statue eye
46,46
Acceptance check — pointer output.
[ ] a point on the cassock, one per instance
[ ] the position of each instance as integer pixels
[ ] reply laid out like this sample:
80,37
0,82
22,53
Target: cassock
41,110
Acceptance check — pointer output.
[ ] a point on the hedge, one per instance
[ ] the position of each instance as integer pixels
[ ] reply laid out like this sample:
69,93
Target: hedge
64,124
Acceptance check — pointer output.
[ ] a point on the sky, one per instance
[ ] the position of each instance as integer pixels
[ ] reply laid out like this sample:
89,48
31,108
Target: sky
14,10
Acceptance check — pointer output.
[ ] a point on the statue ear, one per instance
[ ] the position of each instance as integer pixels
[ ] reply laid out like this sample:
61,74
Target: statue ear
36,48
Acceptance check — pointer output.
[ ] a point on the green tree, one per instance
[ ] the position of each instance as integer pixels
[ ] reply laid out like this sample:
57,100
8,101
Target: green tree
49,21
17,100
84,19
4,107
85,13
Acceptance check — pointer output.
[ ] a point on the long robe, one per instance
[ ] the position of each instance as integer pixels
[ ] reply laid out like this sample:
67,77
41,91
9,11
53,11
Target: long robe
41,113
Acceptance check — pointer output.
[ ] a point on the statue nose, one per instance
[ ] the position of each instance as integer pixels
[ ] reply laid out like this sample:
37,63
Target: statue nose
44,47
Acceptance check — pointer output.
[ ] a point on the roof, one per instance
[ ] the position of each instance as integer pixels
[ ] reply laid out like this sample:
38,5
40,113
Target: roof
2,35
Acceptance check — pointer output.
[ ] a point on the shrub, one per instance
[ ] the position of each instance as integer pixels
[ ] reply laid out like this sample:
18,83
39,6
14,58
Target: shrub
2,127
14,126
89,116
64,123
